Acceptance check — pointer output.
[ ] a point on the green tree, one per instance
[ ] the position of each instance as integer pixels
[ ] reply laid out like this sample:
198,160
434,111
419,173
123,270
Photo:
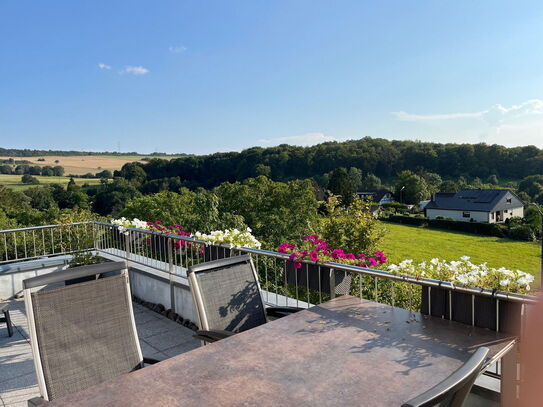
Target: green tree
104,174
29,179
41,198
47,171
371,182
449,186
134,173
492,179
58,170
355,177
351,228
275,211
411,188
113,196
72,186
340,184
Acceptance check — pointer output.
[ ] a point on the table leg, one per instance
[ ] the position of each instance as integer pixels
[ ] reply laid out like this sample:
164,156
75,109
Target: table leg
510,378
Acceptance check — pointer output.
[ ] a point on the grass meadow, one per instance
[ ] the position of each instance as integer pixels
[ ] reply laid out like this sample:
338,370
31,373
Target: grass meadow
420,244
14,181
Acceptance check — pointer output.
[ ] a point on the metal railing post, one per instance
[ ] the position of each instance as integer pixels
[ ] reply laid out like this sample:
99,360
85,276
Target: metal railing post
170,273
332,283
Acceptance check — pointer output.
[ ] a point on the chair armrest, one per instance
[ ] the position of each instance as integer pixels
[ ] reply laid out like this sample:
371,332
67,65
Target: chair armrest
36,401
150,361
280,312
212,335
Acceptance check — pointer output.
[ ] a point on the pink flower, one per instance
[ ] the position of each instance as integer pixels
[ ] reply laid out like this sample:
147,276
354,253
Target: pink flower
157,222
372,261
314,255
350,256
297,265
310,238
338,254
293,256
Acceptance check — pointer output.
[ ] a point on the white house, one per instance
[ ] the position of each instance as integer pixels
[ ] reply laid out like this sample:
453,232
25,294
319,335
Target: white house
476,205
380,197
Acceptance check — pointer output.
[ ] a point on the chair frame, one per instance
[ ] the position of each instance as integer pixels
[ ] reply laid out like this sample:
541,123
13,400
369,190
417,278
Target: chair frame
7,319
65,275
464,376
205,333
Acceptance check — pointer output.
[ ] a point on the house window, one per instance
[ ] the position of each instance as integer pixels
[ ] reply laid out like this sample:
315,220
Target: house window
509,200
466,215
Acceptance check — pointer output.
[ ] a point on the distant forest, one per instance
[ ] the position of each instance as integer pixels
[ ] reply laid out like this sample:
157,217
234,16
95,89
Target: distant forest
380,157
14,152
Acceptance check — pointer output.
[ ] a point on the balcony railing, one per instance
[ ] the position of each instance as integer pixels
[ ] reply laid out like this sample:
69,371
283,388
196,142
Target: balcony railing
281,283
173,254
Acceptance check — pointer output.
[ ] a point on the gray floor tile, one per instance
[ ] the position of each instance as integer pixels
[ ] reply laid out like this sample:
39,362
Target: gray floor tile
153,328
169,339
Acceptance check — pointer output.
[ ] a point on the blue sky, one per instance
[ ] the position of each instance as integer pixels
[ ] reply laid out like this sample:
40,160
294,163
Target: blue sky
204,76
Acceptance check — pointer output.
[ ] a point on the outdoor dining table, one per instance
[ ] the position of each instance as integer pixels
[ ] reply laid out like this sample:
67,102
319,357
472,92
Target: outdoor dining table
347,351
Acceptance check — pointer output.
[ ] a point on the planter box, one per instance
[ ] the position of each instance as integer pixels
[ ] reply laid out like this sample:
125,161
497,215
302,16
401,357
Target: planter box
486,309
217,252
310,273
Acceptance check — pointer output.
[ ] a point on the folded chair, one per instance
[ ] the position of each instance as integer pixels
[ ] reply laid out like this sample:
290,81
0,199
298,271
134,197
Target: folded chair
81,334
227,297
453,391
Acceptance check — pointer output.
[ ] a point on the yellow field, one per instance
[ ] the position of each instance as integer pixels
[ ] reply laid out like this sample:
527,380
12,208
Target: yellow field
14,181
82,164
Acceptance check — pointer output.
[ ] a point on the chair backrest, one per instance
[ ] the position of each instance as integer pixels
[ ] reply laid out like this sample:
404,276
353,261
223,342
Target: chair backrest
453,391
81,334
227,294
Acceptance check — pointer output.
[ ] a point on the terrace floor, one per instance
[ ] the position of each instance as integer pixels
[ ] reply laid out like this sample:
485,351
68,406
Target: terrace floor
160,339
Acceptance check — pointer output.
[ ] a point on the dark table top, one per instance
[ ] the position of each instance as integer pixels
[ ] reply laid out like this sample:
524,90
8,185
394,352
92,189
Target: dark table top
345,352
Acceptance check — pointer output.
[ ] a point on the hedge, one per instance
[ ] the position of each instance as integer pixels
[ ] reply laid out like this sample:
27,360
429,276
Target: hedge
487,229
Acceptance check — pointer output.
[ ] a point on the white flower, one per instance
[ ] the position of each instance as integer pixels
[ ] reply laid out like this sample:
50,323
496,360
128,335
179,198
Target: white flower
505,282
465,258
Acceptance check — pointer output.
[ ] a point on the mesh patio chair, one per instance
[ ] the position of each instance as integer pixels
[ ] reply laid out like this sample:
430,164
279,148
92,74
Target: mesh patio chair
227,297
81,334
453,391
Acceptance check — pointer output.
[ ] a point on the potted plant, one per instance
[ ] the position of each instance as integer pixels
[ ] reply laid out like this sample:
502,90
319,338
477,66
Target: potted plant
307,265
225,242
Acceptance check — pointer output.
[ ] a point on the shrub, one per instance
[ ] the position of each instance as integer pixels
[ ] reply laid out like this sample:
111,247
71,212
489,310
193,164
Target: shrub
522,232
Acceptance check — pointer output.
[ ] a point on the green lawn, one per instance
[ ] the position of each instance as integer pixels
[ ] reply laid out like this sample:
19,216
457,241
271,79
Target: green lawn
14,181
411,242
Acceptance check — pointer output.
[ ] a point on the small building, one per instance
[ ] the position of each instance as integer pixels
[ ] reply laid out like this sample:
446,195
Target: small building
380,197
476,205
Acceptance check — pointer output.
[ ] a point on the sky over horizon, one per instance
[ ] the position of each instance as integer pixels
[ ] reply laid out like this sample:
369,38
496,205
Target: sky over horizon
206,76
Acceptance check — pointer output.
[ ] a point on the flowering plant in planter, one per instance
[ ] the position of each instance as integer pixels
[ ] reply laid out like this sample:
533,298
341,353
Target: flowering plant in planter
233,237
317,250
124,223
464,273
177,229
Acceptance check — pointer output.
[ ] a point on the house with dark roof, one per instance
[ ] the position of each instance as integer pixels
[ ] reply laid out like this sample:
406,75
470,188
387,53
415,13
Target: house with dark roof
476,205
379,197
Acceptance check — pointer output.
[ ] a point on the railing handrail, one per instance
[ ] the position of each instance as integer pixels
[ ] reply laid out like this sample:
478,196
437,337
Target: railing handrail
45,227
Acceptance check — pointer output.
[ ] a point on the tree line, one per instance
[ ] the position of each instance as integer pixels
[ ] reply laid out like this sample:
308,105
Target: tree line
382,158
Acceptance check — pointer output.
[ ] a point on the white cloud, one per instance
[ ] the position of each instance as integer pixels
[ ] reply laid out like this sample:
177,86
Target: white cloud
508,125
134,70
307,139
496,114
104,66
177,49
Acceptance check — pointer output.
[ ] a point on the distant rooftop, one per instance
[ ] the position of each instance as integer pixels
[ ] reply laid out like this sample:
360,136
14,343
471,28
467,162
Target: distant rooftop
486,200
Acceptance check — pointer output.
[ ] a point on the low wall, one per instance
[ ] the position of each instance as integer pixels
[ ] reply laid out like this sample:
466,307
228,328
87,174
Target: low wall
13,274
